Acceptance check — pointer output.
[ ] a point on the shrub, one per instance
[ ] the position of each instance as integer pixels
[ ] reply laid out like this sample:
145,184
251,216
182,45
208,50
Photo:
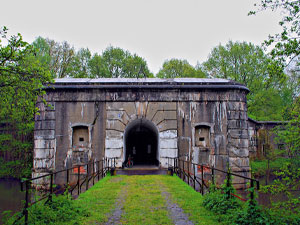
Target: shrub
61,210
217,202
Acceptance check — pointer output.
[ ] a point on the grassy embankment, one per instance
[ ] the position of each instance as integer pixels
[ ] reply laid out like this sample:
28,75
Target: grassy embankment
141,198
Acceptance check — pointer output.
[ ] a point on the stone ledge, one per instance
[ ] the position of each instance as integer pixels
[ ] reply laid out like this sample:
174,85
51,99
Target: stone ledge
44,153
168,143
44,134
45,115
237,124
168,134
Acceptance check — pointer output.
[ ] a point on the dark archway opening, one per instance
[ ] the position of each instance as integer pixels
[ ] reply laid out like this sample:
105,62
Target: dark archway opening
141,143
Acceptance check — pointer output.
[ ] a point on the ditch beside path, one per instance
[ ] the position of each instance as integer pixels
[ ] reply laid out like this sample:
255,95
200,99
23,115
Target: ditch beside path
150,199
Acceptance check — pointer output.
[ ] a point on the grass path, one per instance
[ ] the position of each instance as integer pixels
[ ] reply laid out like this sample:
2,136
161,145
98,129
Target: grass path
150,199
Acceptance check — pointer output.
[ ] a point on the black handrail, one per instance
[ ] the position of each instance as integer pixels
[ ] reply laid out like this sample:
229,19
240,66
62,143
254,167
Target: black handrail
106,165
184,172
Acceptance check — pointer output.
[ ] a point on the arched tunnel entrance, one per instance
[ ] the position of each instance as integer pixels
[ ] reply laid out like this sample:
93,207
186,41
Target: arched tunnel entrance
141,142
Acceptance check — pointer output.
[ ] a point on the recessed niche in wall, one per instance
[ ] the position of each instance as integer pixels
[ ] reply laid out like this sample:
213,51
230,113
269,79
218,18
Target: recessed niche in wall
202,136
80,136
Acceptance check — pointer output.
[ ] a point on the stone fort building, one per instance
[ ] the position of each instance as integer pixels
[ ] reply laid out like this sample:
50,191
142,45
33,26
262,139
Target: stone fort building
201,120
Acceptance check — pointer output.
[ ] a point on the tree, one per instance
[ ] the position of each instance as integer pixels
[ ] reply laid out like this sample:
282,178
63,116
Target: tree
22,78
179,68
54,56
287,43
290,133
239,61
117,63
96,66
248,64
80,66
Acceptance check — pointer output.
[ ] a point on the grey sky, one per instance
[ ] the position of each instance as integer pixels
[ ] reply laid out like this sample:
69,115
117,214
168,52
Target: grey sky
154,29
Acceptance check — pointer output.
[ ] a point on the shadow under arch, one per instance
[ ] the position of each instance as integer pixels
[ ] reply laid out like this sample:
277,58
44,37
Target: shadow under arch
141,142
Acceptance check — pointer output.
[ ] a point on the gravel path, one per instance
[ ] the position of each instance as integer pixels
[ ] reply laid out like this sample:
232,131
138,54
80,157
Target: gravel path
115,218
176,213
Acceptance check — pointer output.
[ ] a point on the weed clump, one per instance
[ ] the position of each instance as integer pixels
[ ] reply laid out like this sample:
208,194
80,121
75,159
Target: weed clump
61,210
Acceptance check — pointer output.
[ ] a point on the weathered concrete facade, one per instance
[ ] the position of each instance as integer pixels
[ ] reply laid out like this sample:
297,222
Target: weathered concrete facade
263,138
202,120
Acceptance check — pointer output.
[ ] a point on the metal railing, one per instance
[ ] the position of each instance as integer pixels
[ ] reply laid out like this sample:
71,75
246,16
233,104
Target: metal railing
195,174
75,178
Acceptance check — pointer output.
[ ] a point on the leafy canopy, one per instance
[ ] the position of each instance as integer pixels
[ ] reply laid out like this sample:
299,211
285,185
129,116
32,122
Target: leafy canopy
21,81
248,64
174,68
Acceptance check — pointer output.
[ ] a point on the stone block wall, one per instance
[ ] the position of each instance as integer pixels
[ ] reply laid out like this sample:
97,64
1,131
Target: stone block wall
160,114
238,141
44,140
176,115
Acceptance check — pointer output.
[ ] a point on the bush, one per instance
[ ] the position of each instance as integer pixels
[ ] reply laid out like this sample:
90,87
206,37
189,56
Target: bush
221,200
218,203
62,210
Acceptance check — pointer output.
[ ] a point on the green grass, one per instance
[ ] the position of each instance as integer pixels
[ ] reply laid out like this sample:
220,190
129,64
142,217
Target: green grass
259,167
143,201
189,200
100,200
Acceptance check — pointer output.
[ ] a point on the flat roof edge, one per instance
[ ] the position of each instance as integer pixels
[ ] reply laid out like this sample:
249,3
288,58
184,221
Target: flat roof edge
145,86
145,83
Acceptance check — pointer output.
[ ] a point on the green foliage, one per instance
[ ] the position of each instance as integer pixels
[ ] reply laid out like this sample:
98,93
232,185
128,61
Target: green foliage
286,182
80,64
251,214
289,134
58,58
220,201
64,61
175,68
16,169
259,167
217,202
117,63
62,210
246,63
286,44
22,77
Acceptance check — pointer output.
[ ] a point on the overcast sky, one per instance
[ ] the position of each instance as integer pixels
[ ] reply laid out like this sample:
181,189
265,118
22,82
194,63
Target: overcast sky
154,29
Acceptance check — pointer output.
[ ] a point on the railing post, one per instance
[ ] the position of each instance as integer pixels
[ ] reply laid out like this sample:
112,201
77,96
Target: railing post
98,170
26,202
212,175
228,185
181,174
183,177
251,190
194,176
102,168
188,176
51,187
87,177
93,173
202,180
67,177
78,179
174,164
